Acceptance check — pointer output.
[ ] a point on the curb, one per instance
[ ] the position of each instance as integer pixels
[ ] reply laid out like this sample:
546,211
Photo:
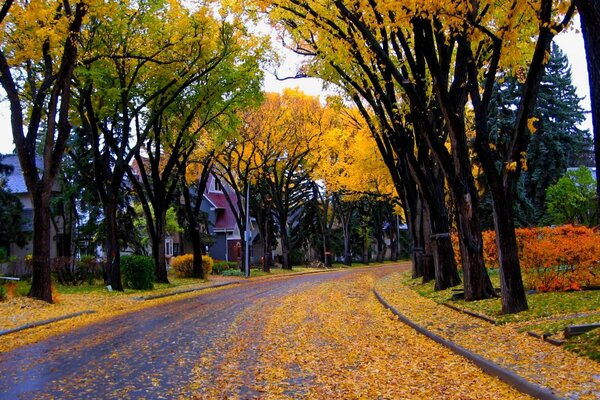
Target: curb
487,366
45,322
160,296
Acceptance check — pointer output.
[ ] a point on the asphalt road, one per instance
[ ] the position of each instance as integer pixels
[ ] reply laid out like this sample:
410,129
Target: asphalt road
147,354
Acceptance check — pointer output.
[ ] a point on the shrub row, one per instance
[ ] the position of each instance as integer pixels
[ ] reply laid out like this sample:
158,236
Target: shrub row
552,258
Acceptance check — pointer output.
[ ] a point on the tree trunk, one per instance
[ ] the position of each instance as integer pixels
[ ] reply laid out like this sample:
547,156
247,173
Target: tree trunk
285,248
113,253
347,243
327,256
197,269
267,244
41,283
511,283
446,271
477,283
428,258
158,247
589,12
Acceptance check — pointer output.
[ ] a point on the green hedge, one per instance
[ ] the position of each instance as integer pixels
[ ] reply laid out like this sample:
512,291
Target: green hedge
138,272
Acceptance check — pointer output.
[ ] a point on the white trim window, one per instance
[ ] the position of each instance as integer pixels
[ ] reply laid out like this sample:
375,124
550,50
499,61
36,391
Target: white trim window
168,247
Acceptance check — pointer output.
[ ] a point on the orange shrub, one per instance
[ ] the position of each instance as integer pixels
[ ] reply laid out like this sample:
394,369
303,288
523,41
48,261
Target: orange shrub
552,259
490,255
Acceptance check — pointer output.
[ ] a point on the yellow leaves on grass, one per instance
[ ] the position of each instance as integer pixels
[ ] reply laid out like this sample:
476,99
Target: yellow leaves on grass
566,374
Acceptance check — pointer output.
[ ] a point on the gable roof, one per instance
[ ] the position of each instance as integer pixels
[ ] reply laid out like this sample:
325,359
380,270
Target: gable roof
225,213
15,182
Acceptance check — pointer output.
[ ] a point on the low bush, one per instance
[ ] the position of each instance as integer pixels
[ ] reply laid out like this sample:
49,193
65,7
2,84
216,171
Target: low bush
138,272
232,272
219,266
70,272
2,293
183,265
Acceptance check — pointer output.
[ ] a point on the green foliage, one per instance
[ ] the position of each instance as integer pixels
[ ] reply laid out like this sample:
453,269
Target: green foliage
572,199
2,293
557,143
232,272
587,344
11,220
138,272
71,272
219,266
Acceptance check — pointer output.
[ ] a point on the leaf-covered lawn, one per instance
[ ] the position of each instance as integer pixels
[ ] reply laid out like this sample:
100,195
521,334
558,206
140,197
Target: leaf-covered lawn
569,375
549,313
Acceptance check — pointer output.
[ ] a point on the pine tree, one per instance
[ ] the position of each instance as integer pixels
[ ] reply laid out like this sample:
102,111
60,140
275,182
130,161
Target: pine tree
557,143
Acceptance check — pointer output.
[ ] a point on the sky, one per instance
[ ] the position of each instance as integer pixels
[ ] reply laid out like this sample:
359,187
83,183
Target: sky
570,42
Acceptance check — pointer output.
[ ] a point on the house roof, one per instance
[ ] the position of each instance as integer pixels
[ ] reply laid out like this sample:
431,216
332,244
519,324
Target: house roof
225,214
15,182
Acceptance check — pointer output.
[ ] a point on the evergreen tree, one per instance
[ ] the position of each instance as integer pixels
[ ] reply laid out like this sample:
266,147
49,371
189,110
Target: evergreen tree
557,142
11,210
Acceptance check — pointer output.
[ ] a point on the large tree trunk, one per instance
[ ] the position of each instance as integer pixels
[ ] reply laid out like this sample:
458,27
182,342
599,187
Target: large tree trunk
285,248
589,12
113,265
347,242
477,283
446,271
41,283
427,255
158,246
267,243
197,269
511,283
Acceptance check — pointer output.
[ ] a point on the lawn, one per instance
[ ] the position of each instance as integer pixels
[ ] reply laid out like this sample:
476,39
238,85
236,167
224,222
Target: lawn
548,314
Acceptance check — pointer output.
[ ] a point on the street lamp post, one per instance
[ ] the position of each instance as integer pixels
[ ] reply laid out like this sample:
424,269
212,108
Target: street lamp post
247,234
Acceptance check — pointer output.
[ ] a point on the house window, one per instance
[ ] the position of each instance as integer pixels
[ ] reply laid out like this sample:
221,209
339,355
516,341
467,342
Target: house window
217,185
168,247
175,249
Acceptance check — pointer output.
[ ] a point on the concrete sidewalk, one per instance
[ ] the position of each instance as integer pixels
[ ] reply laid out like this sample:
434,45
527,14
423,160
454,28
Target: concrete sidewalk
554,370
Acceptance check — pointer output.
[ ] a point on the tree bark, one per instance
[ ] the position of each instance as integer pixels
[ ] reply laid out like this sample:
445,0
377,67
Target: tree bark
191,215
158,246
589,12
511,283
41,283
477,283
285,248
113,253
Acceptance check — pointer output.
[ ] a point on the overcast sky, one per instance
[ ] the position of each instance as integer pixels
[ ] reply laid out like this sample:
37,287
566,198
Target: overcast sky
570,42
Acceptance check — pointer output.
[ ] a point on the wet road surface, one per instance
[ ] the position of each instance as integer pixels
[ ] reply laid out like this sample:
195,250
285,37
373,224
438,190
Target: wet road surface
150,353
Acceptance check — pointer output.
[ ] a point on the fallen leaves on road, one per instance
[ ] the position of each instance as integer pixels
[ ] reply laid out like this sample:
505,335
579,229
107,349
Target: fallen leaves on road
19,311
335,341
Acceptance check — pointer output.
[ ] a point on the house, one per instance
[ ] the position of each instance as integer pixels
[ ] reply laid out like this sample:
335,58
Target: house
15,184
222,225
